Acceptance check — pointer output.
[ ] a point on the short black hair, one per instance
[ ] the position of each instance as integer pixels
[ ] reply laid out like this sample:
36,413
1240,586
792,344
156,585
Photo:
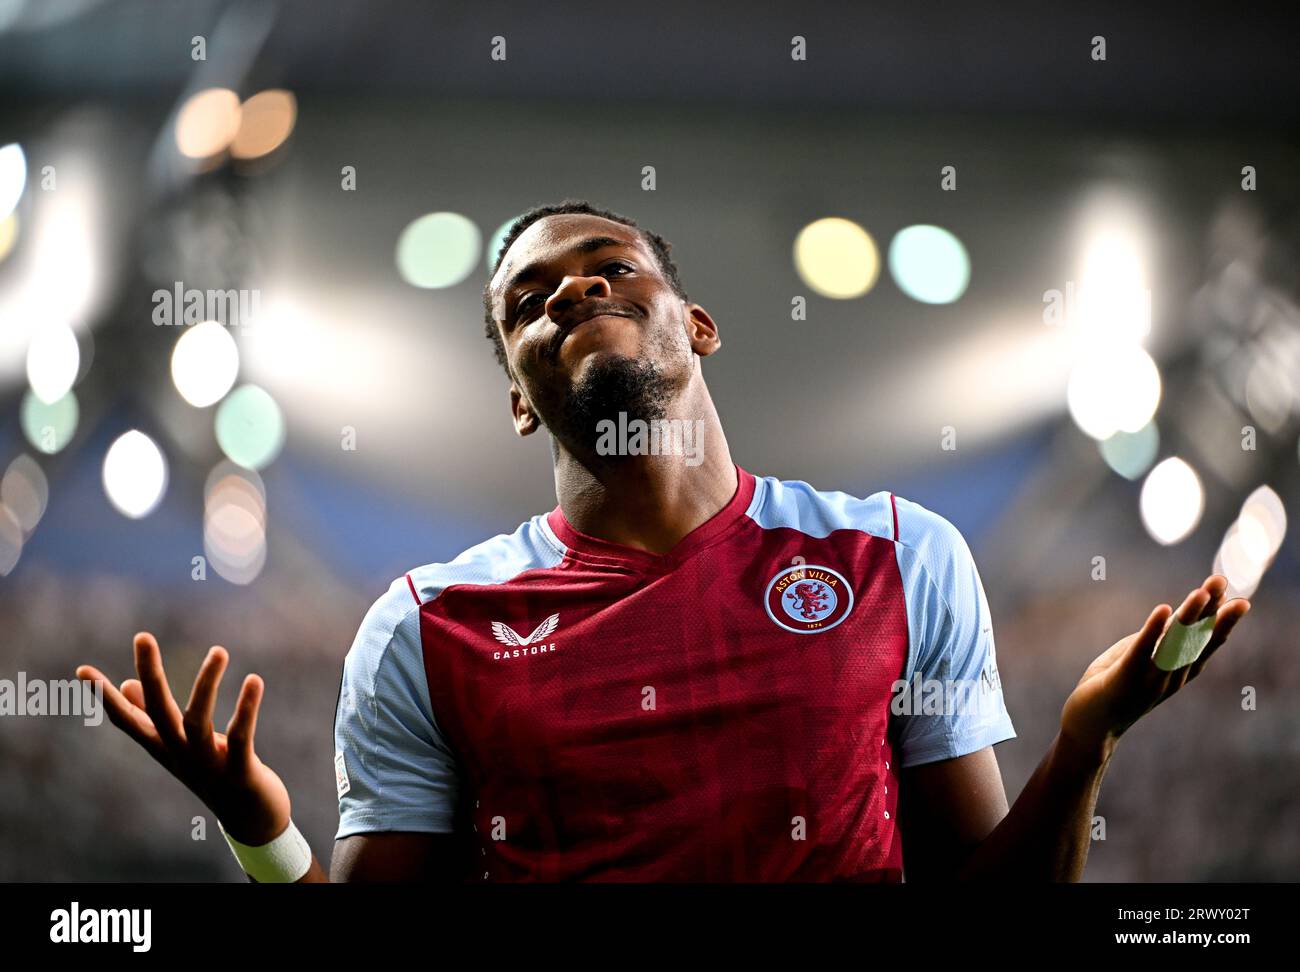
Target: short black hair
660,247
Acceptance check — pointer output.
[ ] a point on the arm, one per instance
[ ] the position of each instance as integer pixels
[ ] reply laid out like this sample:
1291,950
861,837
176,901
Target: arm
394,857
955,823
953,814
224,771
389,858
221,769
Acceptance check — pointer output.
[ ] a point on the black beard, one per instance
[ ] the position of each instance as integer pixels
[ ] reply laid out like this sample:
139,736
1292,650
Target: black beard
612,385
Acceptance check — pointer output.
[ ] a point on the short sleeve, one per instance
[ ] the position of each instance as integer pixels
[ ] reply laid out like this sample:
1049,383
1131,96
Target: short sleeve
952,702
392,767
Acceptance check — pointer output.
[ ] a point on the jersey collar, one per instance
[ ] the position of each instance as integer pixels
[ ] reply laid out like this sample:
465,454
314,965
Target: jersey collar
594,550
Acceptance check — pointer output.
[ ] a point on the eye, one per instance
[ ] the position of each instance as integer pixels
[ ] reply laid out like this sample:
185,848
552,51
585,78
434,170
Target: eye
524,304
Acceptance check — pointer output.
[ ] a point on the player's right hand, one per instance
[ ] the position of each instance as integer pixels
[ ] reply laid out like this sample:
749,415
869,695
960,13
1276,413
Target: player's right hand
221,769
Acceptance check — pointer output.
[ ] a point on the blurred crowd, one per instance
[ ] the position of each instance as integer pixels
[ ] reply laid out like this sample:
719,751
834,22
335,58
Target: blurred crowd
1201,789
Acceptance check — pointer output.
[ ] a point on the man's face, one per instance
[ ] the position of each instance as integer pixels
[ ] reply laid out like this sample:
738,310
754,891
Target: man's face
580,296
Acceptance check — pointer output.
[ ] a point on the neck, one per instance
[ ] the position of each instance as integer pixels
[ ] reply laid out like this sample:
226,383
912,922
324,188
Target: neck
650,502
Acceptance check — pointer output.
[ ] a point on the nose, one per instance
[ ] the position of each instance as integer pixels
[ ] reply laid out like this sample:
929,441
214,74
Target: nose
575,289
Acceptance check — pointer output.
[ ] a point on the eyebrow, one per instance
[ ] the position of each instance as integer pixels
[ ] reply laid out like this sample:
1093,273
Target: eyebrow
534,270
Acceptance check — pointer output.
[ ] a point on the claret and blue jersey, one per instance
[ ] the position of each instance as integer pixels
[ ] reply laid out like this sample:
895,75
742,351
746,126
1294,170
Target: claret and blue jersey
582,710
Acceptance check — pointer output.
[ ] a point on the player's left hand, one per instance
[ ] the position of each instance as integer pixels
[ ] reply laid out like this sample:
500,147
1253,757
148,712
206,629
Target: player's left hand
1123,683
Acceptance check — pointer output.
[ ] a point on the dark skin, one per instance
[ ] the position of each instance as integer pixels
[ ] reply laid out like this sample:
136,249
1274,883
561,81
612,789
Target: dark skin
554,330
573,290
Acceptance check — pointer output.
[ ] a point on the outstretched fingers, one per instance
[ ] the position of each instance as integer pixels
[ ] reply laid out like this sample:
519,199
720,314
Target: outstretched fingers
126,713
1207,602
1138,659
1200,600
203,701
160,705
134,691
1193,604
1216,585
1225,620
243,724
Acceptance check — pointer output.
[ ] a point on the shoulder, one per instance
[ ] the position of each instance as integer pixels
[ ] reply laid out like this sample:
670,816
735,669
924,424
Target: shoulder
796,505
934,556
533,546
935,541
928,544
394,617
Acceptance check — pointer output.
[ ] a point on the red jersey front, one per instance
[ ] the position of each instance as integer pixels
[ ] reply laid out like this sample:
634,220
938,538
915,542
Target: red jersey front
582,710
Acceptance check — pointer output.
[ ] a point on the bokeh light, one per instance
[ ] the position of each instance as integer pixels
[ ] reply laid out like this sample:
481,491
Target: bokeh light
1131,453
1172,501
13,177
8,235
1114,391
1252,541
135,474
1114,298
11,541
929,264
494,245
49,426
1236,562
837,258
250,427
25,492
234,522
61,280
438,250
1263,523
207,123
1270,392
236,484
205,363
266,120
53,358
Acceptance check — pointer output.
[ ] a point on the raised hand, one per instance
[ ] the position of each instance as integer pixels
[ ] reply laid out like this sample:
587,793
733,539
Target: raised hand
1123,683
221,769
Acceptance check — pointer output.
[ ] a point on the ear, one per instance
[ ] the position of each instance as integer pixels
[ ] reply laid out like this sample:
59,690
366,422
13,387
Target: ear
526,420
701,331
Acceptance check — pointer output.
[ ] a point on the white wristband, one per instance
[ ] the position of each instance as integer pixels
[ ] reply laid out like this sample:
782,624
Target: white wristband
282,861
